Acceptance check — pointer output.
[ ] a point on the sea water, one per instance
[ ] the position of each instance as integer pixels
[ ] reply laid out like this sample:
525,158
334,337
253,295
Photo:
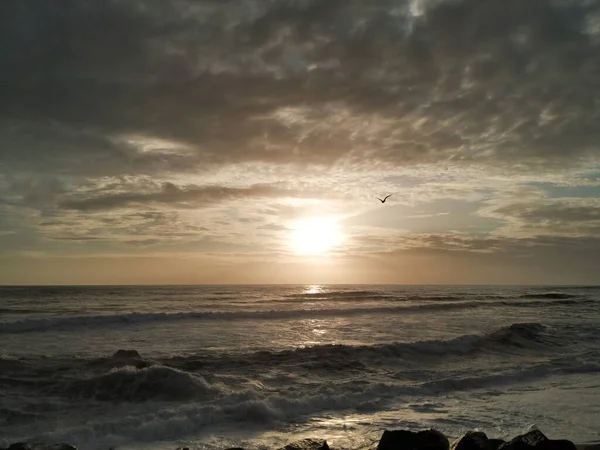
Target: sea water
256,366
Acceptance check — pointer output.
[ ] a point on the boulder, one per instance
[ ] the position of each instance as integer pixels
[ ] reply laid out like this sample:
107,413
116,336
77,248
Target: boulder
409,440
25,446
562,444
472,440
307,444
126,354
536,440
20,446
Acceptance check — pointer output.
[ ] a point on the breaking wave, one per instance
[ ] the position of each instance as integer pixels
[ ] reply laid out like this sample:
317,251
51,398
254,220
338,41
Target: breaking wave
358,357
150,383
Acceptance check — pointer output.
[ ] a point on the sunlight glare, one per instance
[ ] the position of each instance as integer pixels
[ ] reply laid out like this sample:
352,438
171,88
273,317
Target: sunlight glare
314,236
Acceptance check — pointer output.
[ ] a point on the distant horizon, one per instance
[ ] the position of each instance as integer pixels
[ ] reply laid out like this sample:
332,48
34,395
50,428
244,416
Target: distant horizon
304,284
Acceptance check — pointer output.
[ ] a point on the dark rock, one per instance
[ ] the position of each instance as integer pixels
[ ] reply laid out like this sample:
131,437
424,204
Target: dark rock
473,440
126,354
308,444
536,440
235,448
24,446
432,440
496,443
397,440
20,446
409,440
562,444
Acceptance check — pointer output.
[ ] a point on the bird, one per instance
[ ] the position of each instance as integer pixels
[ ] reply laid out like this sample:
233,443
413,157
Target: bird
384,198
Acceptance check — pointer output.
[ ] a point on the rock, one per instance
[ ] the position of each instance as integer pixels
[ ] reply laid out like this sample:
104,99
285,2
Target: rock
409,440
496,443
536,440
235,448
20,446
308,444
432,440
562,444
24,446
472,440
126,354
397,440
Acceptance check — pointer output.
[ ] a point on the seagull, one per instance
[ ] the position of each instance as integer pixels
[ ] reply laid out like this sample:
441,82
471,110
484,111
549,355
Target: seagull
384,198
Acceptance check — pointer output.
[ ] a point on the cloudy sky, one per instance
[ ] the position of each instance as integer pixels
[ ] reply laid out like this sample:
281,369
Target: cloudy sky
246,141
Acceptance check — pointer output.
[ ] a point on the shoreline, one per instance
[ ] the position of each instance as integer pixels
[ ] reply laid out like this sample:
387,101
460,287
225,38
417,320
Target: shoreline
429,439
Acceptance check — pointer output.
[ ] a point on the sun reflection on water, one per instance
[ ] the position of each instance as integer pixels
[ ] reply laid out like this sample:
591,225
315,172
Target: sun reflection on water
313,289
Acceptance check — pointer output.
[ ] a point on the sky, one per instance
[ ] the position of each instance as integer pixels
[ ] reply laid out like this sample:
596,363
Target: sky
247,141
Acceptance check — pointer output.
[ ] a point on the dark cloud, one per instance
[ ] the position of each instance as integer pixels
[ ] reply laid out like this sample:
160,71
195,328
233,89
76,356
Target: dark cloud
298,82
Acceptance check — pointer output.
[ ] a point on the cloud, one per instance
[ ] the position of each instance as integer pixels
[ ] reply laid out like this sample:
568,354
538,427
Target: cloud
496,82
175,196
557,216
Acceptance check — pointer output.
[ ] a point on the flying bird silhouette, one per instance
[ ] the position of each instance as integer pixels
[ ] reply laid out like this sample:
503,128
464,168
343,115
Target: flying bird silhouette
384,198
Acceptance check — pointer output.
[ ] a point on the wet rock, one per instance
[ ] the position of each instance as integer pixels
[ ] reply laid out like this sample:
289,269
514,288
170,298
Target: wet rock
409,440
472,440
126,354
536,440
307,444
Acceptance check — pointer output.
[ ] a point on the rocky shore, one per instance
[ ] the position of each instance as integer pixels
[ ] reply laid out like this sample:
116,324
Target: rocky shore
404,440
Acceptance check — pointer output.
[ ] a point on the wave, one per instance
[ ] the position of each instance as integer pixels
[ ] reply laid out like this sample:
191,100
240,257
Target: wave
77,322
550,296
336,294
134,424
336,358
130,384
516,337
365,296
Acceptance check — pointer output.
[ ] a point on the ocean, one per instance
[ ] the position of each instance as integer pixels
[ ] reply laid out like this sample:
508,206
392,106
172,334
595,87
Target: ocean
259,366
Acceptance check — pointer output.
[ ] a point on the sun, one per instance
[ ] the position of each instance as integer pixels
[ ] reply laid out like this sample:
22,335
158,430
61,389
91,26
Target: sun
314,236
